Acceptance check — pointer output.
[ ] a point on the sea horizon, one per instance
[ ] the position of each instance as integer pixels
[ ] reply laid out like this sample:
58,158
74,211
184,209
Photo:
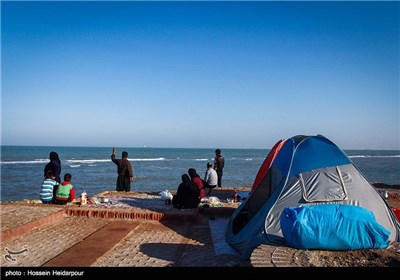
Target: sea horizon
170,147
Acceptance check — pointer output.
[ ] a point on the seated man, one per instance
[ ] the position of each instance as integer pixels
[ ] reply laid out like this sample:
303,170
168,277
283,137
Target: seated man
210,178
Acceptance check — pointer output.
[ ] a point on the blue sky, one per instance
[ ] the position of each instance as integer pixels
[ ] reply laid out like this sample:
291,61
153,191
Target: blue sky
200,74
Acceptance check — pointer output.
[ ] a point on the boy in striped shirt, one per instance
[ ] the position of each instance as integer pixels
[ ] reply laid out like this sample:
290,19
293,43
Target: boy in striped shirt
47,189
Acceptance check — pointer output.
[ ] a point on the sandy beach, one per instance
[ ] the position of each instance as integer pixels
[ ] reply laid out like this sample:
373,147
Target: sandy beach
140,230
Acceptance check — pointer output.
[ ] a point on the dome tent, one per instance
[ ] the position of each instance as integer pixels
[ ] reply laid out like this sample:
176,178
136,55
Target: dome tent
303,171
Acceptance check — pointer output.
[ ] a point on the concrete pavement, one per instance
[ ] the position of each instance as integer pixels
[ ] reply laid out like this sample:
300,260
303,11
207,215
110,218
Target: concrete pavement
143,234
37,235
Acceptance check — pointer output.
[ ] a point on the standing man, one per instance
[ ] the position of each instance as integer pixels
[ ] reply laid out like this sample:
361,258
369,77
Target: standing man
125,173
219,163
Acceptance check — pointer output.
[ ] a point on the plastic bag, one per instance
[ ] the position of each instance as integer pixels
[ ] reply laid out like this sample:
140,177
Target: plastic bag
166,194
213,200
332,227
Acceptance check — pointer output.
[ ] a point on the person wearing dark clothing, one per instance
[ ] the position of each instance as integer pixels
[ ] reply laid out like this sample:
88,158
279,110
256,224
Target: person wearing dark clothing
54,165
197,180
187,195
125,173
219,163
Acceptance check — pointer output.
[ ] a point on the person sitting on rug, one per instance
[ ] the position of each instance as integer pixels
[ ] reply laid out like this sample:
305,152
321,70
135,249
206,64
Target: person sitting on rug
197,180
187,195
65,192
210,178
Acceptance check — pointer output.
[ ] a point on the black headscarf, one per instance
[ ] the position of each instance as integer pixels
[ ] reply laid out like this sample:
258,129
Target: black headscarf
185,179
193,173
55,165
54,156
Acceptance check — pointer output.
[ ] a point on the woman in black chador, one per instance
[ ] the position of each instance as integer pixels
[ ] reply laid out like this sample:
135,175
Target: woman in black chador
187,195
54,165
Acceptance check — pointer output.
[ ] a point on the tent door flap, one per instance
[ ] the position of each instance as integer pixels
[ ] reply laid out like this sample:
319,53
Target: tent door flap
323,185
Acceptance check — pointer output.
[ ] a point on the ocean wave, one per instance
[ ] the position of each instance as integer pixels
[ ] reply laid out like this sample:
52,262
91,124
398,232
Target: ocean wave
245,159
147,159
72,162
87,161
93,161
369,156
41,161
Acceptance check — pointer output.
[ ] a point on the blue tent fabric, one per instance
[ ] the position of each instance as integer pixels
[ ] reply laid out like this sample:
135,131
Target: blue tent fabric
309,156
332,227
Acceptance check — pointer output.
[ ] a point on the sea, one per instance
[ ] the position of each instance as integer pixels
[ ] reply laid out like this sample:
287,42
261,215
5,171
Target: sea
155,169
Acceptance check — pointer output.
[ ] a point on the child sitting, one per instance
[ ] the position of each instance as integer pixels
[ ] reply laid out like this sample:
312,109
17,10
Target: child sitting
47,189
65,191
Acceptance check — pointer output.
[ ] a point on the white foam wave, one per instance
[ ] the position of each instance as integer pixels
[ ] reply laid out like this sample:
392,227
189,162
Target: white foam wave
86,161
72,162
368,156
41,161
93,161
147,159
